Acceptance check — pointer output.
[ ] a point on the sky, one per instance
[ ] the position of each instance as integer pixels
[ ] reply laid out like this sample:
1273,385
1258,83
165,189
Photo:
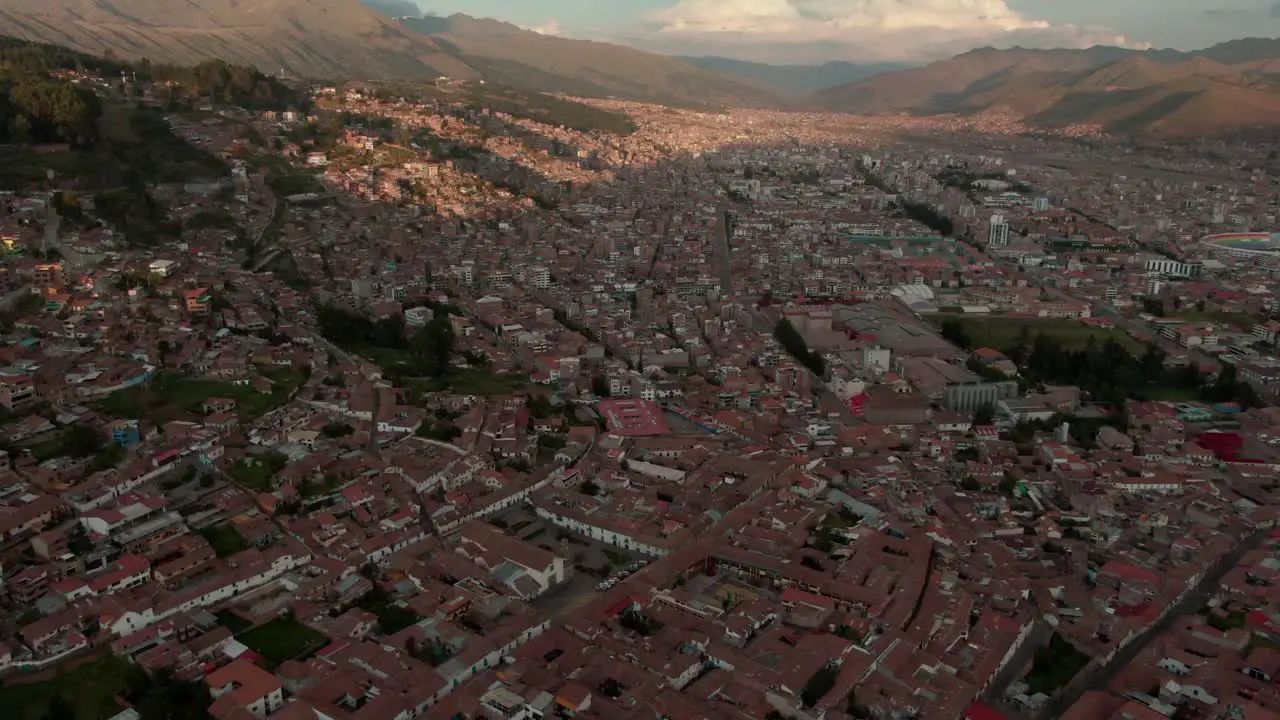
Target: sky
807,31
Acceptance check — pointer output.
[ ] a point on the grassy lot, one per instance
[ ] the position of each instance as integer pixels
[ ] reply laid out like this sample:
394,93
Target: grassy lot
1055,665
224,539
90,688
296,184
282,639
473,382
20,168
1243,321
1000,333
168,395
256,473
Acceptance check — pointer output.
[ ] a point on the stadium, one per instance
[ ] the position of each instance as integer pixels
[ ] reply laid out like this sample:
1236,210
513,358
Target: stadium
1245,245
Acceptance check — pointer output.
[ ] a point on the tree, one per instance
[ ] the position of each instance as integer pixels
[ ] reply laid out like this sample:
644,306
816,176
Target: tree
600,386
82,440
953,330
794,343
78,541
611,688
337,430
812,563
59,709
819,684
985,414
539,406
20,130
589,487
432,346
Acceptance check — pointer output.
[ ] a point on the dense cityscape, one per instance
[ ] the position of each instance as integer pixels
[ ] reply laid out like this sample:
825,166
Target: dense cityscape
353,402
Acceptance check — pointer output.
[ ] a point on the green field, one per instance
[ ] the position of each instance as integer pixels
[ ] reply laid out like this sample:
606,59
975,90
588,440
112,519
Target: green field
19,168
1001,333
91,690
296,184
468,382
282,639
1241,321
167,393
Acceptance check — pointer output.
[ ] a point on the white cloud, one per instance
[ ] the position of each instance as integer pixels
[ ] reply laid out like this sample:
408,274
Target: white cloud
547,28
866,29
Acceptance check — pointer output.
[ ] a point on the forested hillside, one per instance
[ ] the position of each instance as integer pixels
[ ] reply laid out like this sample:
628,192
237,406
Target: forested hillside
36,108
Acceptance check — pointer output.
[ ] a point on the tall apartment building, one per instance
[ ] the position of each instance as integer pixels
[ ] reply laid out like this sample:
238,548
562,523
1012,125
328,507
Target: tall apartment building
998,233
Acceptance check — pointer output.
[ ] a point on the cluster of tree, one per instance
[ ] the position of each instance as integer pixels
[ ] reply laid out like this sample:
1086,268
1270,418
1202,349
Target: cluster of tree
1227,387
337,430
1108,371
321,134
442,430
353,330
793,342
158,696
639,623
392,617
819,684
222,82
926,215
432,651
43,58
426,353
35,108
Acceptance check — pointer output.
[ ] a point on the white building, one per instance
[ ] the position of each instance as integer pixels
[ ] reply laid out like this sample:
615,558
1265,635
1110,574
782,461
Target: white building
161,267
1171,268
998,233
541,278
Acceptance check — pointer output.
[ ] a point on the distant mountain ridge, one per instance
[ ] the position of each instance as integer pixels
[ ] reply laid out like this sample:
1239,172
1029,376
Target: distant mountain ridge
394,8
504,53
309,38
795,79
351,39
1221,88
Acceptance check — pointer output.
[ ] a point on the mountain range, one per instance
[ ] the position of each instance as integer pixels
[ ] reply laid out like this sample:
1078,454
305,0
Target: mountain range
345,39
795,80
503,53
1224,87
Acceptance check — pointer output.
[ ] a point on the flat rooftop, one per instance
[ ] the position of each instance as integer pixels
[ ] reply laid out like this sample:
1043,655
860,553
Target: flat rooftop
632,417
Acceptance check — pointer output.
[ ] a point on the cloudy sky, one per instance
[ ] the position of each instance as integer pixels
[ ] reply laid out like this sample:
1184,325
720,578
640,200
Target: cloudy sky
816,30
